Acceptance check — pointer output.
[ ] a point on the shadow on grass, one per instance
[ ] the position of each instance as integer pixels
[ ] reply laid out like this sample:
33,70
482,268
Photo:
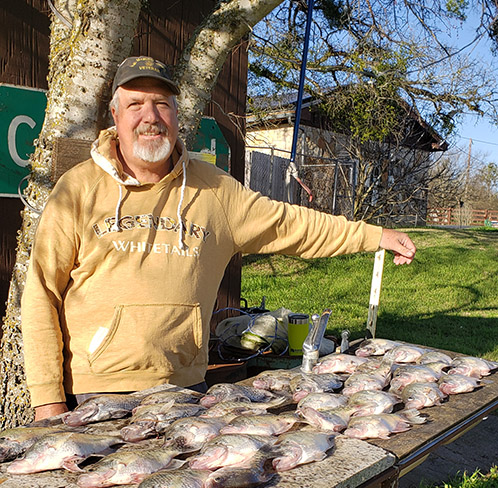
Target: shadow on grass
474,336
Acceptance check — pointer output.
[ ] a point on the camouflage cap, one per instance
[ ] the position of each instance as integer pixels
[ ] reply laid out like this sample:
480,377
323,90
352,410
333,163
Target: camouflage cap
143,67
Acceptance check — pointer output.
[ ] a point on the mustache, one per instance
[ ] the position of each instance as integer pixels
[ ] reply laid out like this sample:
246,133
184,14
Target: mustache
154,129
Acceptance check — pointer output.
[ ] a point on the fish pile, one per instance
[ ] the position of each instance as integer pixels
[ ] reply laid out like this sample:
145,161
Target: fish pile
239,435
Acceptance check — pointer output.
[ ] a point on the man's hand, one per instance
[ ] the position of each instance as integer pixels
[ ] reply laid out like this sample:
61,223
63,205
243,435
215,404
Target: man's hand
49,410
400,244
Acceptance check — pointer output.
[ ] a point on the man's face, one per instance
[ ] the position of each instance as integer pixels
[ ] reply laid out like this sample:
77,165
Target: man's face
146,121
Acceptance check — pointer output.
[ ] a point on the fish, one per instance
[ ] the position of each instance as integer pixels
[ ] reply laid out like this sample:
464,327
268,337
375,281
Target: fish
238,478
458,383
176,478
14,442
175,396
153,419
267,424
302,447
472,366
227,408
62,450
320,401
433,357
338,363
381,426
229,450
366,381
304,384
191,433
328,420
257,470
404,354
419,395
369,402
129,466
102,407
412,373
233,392
375,347
277,380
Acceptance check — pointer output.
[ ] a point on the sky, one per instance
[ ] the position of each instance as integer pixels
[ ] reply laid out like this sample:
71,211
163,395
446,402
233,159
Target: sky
476,134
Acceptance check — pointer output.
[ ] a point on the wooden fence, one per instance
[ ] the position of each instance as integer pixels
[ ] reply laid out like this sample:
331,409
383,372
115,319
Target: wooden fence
462,216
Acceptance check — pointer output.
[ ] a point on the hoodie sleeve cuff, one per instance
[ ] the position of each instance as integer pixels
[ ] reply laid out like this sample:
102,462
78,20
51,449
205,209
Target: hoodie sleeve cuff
373,234
45,394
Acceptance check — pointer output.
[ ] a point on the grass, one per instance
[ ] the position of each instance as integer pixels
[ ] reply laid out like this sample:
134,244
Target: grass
475,480
447,298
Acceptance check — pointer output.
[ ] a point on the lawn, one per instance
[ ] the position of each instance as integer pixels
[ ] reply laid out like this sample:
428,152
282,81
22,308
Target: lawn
447,298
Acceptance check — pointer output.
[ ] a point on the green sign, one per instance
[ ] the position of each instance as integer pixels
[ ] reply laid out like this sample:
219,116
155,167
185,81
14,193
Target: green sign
22,111
210,144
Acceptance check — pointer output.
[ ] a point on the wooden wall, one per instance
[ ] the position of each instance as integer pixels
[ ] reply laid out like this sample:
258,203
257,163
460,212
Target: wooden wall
164,29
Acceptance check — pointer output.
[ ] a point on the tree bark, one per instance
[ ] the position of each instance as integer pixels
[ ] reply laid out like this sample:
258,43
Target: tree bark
88,40
206,53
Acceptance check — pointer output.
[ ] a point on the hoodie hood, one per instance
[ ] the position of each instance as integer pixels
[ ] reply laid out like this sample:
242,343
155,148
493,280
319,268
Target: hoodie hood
105,155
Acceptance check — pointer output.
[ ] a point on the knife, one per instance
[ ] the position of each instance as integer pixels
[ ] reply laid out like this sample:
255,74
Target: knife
375,293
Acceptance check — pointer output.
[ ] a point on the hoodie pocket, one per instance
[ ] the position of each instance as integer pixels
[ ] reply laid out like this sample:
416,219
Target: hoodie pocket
156,337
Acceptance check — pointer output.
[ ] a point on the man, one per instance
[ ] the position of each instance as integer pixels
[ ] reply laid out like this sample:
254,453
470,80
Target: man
133,244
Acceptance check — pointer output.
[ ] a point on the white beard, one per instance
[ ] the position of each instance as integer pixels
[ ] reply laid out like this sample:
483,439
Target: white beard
152,151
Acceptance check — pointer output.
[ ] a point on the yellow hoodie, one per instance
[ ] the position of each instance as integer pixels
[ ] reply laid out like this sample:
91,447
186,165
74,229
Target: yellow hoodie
119,293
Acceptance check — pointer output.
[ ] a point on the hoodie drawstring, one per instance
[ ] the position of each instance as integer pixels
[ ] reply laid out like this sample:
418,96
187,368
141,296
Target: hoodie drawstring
179,211
115,227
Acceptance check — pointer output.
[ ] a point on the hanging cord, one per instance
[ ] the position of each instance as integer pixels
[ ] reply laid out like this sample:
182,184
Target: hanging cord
179,210
115,227
63,19
228,334
24,201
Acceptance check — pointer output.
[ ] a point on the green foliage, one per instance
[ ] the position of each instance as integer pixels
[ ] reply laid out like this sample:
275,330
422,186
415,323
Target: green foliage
474,480
445,299
457,8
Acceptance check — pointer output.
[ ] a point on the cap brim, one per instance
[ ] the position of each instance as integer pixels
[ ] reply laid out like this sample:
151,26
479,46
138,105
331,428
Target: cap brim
172,86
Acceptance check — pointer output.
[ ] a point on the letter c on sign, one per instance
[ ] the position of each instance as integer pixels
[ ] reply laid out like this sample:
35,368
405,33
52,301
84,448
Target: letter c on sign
16,122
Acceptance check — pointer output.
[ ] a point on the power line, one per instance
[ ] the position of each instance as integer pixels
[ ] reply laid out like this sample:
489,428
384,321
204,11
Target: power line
477,140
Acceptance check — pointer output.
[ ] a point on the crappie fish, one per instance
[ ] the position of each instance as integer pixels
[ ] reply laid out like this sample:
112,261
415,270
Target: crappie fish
234,409
172,396
267,424
275,380
176,478
458,383
14,442
191,433
372,364
229,450
102,407
256,471
331,420
422,394
129,466
471,366
412,373
434,357
338,363
375,347
304,384
150,420
61,450
238,478
320,401
404,354
301,447
381,426
370,402
364,381
233,392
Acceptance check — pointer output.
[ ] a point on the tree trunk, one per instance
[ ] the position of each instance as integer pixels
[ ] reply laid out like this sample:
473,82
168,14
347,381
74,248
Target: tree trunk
206,53
88,40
